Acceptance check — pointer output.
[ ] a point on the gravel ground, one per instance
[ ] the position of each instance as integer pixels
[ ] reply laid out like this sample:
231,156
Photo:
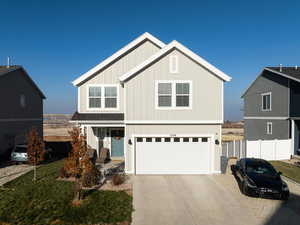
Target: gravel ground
10,172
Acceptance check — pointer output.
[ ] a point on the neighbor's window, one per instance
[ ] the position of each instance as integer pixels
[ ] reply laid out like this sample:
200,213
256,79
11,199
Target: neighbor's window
22,101
103,97
110,97
269,128
182,94
94,97
174,94
266,102
165,94
173,64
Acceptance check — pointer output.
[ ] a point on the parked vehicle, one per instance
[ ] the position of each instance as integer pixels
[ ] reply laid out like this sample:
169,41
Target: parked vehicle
258,177
19,153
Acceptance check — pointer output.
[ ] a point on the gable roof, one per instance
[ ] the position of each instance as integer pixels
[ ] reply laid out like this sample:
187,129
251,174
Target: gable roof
180,47
292,73
4,70
117,55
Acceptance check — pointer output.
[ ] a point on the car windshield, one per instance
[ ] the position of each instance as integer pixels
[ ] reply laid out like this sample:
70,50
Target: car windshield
260,168
20,149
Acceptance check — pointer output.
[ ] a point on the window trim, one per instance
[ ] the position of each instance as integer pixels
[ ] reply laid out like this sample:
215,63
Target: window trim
173,100
262,102
173,63
102,108
269,132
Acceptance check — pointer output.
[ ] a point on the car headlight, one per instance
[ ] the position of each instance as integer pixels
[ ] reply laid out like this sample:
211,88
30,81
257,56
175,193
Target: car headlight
284,186
250,183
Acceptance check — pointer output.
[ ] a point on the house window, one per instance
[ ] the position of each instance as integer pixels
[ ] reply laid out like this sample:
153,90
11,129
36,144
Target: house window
110,97
182,94
266,101
103,97
173,64
22,101
269,127
165,94
95,97
173,94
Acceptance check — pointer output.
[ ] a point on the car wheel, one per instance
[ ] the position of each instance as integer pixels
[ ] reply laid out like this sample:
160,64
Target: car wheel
244,188
285,197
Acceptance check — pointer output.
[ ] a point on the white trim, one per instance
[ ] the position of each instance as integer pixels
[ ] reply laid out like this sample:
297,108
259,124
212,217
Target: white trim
211,155
102,97
173,121
21,119
262,101
217,172
282,74
269,131
222,101
174,95
167,48
78,99
118,54
173,64
265,118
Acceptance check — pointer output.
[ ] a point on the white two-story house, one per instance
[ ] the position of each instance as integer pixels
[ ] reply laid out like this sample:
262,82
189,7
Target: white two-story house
157,106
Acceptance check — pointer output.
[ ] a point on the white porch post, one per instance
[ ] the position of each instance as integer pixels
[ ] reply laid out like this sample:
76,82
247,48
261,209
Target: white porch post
293,147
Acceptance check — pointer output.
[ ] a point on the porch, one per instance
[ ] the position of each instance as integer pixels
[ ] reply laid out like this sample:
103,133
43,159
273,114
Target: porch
111,138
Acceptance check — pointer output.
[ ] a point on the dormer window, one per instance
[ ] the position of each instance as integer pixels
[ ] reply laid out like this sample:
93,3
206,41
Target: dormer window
266,101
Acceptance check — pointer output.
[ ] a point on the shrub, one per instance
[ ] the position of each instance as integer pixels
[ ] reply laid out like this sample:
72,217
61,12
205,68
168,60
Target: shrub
118,179
91,177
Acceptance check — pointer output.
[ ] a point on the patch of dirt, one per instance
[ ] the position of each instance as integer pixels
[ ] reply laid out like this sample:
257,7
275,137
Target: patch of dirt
126,186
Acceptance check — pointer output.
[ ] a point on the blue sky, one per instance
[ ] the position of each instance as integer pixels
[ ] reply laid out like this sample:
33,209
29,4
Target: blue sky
56,41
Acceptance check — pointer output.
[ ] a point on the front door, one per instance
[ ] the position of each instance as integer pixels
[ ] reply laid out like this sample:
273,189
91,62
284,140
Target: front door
117,143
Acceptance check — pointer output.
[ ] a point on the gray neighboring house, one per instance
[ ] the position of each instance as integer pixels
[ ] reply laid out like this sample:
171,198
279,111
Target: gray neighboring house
157,106
271,105
22,106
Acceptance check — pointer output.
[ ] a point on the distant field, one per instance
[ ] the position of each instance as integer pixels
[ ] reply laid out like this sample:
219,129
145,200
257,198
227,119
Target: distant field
230,134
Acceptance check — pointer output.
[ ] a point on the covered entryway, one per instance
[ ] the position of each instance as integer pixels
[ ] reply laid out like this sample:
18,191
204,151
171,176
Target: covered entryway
172,155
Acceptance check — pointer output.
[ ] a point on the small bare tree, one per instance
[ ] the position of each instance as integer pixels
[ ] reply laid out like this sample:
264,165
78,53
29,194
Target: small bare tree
35,149
78,161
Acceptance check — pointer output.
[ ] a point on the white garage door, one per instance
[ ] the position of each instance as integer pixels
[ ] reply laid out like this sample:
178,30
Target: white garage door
176,155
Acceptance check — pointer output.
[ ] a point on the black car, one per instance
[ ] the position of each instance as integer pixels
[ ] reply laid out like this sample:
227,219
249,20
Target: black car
258,177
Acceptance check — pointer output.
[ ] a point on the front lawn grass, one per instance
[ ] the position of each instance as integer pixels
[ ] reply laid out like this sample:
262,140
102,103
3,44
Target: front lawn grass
288,170
48,201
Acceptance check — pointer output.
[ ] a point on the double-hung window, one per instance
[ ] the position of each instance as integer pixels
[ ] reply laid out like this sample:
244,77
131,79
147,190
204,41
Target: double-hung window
266,101
173,94
103,97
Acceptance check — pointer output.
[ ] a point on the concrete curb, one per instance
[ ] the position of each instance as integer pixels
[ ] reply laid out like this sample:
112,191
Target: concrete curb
290,180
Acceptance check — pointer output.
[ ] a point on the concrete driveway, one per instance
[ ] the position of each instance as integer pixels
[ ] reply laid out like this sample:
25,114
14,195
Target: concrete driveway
207,199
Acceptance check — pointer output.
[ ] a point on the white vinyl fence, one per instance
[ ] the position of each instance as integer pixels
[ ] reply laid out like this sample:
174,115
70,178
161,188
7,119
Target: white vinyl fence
263,149
270,149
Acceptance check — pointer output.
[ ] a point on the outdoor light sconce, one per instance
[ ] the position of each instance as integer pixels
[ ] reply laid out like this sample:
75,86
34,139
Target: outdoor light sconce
217,142
129,142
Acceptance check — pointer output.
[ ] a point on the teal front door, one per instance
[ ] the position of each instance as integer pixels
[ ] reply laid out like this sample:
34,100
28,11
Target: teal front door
117,143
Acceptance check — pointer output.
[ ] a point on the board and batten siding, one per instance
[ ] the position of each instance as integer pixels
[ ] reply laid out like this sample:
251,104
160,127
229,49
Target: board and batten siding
267,82
206,96
182,129
111,74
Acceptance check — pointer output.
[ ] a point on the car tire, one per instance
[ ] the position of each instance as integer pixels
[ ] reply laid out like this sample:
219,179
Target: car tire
244,188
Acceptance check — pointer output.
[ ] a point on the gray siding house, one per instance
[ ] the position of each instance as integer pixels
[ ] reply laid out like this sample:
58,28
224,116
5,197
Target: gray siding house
21,106
271,105
157,106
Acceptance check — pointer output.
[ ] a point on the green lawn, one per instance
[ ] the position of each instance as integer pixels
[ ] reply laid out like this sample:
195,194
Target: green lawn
288,170
48,201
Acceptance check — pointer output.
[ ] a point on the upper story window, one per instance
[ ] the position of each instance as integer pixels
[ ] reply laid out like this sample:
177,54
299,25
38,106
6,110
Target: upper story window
103,97
269,127
173,94
173,64
22,101
266,101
